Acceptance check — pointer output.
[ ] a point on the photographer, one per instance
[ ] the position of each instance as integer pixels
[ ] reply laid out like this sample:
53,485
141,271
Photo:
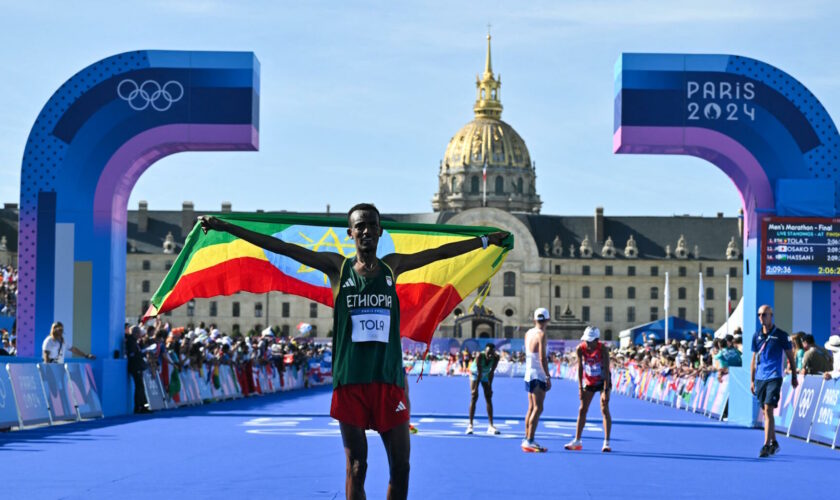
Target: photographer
54,349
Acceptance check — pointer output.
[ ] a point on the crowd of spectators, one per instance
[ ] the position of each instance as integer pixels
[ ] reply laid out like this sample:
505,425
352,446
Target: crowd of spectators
8,291
202,347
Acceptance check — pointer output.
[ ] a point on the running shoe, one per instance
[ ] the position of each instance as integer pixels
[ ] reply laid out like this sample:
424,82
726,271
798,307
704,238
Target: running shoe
492,430
606,448
774,447
765,451
574,445
532,447
412,429
469,429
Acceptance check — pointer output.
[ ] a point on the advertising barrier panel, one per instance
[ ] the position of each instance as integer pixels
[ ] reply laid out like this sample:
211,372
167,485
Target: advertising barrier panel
54,376
29,393
83,390
807,395
826,414
154,390
784,412
8,408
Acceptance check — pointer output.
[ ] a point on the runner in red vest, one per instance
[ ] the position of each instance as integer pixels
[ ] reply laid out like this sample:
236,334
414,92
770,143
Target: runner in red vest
593,376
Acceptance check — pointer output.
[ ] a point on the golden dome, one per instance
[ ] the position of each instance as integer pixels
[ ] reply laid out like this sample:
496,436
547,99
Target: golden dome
487,138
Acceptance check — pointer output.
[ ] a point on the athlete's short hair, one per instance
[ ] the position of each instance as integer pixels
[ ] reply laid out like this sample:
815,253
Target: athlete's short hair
367,207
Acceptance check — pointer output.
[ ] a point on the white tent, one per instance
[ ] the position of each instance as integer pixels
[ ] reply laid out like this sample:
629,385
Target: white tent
736,320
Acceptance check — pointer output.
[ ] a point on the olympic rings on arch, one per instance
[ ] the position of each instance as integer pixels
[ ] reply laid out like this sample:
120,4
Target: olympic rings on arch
150,93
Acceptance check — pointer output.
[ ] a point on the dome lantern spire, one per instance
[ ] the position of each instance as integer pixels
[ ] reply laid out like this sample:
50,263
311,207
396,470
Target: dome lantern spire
487,99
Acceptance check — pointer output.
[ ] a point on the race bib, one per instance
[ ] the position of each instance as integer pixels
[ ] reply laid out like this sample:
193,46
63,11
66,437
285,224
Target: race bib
370,324
592,370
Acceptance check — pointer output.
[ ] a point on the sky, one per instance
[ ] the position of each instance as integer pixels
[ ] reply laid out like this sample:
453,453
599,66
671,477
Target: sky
359,99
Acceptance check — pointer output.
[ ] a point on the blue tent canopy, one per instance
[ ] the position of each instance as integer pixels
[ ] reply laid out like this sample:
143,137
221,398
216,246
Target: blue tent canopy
679,329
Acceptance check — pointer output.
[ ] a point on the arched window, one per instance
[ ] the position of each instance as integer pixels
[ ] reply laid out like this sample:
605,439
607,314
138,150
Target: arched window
608,292
509,284
557,291
500,185
654,292
584,292
631,292
474,184
710,293
454,184
681,293
519,185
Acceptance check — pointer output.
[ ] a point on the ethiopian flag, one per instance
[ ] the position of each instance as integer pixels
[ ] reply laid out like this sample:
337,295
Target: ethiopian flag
218,263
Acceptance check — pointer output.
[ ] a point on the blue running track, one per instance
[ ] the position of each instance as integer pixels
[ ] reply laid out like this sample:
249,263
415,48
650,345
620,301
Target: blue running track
286,446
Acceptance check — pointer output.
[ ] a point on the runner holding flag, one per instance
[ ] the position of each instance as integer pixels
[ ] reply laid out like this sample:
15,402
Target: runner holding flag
368,376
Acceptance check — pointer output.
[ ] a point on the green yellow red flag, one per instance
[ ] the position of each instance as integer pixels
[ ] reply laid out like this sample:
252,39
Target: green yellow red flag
218,263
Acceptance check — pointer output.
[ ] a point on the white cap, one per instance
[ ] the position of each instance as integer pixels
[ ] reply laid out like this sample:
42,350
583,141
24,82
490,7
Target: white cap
591,333
541,314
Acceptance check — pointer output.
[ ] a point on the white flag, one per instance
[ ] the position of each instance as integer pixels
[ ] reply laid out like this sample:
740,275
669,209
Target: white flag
667,295
702,295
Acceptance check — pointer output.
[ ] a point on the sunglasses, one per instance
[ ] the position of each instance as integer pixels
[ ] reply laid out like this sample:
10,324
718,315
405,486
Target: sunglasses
761,315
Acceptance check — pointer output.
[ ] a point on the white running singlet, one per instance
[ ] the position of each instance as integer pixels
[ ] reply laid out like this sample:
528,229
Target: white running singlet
533,363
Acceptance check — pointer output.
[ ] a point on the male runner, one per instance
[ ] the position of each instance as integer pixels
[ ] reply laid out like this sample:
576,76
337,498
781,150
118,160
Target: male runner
368,376
593,359
769,346
537,381
485,365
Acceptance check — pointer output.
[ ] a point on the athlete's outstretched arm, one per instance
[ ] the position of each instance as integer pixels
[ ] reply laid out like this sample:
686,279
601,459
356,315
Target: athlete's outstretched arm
401,263
327,262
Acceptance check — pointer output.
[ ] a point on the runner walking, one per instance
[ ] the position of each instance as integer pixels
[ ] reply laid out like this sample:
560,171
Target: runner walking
537,381
593,360
485,365
368,375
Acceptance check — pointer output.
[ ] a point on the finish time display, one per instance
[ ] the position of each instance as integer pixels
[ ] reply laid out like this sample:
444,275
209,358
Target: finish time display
801,248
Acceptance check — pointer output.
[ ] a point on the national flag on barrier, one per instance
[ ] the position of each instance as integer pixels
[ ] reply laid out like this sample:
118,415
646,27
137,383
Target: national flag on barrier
218,263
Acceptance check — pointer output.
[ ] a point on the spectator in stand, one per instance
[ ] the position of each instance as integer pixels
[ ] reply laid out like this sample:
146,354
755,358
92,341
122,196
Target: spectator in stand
833,345
6,347
53,349
816,359
798,349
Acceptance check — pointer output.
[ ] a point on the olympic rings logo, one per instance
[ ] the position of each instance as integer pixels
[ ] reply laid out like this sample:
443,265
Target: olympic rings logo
150,93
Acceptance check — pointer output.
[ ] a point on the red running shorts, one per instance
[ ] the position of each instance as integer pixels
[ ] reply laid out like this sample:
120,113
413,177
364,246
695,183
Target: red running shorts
376,405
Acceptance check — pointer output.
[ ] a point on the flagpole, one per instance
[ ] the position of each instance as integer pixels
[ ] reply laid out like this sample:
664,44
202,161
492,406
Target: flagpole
484,177
667,304
701,306
727,304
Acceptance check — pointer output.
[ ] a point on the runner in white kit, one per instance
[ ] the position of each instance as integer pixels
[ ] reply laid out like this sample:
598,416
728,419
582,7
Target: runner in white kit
537,381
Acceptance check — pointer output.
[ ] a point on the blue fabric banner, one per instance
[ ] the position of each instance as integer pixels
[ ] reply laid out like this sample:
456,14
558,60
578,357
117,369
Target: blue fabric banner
8,408
827,414
784,412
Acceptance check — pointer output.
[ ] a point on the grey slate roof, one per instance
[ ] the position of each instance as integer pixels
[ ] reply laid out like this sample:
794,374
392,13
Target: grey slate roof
652,234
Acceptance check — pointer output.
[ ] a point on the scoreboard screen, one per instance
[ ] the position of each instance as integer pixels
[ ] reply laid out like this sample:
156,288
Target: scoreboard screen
800,248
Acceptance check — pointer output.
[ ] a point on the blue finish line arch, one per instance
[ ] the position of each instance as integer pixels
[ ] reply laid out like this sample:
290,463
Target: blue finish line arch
776,142
90,144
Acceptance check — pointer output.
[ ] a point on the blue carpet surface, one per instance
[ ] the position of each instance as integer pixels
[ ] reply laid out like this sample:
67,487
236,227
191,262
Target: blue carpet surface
286,446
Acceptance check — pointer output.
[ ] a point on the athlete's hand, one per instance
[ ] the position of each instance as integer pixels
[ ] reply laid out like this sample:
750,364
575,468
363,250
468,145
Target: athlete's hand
794,382
547,384
752,386
210,223
497,238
